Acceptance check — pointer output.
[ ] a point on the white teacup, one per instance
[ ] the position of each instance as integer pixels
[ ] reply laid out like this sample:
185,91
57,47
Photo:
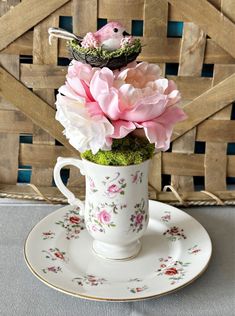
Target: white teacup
116,205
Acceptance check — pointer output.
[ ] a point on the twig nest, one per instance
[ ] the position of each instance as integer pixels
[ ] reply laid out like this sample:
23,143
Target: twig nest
99,57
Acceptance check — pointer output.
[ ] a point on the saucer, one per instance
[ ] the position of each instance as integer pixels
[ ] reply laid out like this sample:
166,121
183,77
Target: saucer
175,251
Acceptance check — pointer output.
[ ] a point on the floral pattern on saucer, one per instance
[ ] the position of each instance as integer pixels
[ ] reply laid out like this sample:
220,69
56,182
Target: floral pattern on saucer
175,270
55,263
90,280
175,233
72,223
166,217
55,254
48,235
194,250
135,280
138,289
53,269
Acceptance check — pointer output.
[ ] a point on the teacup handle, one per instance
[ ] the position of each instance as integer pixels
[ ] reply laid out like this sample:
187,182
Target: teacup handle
62,162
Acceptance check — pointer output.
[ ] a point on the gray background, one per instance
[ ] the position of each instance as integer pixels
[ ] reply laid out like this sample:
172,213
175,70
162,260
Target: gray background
22,294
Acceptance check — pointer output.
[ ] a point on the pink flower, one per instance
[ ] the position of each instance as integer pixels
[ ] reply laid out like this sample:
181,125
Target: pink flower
138,97
162,265
92,183
59,255
171,271
139,218
74,219
53,269
96,105
104,217
113,188
94,228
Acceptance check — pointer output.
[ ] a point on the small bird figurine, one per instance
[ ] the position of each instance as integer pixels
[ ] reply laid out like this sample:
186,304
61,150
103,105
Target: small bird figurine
110,37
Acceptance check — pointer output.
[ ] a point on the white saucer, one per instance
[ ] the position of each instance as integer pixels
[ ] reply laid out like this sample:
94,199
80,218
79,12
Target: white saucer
175,251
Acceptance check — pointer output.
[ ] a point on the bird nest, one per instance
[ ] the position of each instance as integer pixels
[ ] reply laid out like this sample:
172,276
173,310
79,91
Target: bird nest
98,57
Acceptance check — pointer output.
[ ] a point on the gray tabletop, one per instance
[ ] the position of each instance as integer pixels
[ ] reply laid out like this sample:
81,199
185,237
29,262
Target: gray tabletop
22,294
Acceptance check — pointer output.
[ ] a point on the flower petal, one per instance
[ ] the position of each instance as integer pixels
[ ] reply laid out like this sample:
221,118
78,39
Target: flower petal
159,130
83,131
109,103
122,128
101,82
147,108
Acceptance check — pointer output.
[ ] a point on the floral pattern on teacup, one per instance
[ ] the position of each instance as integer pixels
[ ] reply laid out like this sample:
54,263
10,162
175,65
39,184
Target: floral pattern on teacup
174,233
175,270
90,280
137,177
72,223
114,185
139,217
101,217
92,185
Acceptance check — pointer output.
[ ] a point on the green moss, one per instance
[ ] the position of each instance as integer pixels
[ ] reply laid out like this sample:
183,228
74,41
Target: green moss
127,151
105,54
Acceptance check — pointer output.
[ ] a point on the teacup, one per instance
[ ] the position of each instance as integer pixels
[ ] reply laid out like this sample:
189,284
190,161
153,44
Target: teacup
116,205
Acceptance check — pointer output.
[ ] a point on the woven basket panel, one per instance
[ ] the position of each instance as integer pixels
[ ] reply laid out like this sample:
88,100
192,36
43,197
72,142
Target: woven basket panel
199,164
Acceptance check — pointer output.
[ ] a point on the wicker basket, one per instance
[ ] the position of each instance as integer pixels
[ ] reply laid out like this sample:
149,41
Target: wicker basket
207,100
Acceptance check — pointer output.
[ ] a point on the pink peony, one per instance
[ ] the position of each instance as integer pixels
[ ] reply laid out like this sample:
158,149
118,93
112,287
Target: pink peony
96,105
138,97
104,217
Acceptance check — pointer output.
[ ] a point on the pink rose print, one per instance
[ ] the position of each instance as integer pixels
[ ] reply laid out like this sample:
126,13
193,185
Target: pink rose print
114,185
104,217
90,280
139,289
194,250
72,223
101,216
137,177
52,269
167,217
59,255
175,233
54,254
171,271
139,218
74,219
92,185
113,189
48,235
